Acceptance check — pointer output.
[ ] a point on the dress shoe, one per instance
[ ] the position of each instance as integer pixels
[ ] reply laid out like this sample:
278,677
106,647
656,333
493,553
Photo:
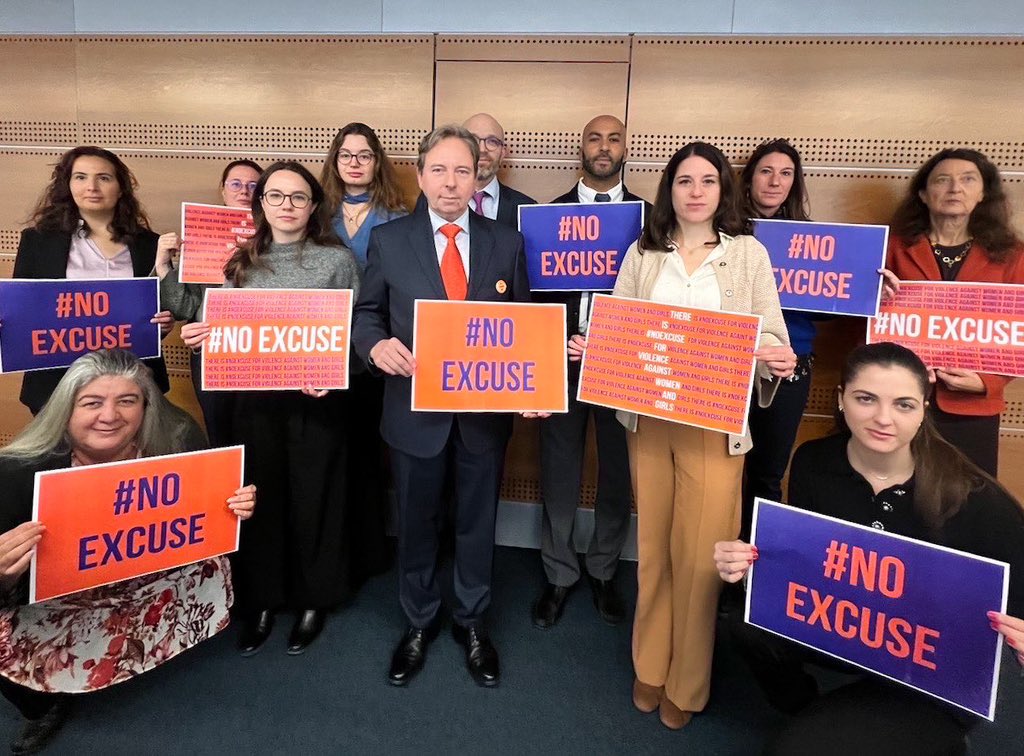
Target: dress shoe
36,733
255,631
481,656
672,716
607,600
409,655
647,697
547,610
307,627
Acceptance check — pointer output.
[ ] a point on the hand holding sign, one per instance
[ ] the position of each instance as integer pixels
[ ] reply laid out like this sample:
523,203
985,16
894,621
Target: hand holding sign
576,347
16,549
1011,628
393,357
167,247
733,559
243,502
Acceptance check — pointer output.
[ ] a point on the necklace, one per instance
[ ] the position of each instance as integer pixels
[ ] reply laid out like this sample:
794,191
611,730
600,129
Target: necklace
357,215
858,464
951,255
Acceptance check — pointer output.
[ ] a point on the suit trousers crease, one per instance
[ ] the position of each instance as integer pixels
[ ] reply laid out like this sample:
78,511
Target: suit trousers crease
292,550
420,486
562,445
688,497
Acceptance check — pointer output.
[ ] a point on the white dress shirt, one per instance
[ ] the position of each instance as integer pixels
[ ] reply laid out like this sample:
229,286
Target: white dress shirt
461,241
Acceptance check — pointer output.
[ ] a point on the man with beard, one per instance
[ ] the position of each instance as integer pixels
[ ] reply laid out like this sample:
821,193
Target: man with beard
491,198
563,436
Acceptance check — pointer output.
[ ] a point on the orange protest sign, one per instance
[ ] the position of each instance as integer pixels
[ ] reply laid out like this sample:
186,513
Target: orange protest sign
682,364
210,234
276,339
956,325
489,357
112,522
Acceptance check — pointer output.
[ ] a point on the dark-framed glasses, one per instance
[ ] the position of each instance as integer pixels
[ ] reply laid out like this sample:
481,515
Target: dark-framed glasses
275,198
236,186
362,158
490,142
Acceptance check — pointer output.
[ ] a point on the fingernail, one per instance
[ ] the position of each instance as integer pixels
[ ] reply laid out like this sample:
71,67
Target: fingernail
994,626
750,561
992,615
756,556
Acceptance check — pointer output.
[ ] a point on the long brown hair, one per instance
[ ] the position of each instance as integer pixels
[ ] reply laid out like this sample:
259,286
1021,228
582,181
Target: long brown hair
795,205
657,233
384,191
318,228
56,209
989,224
943,476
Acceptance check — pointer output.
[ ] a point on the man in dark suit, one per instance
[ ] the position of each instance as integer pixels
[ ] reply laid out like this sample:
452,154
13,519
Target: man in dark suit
563,437
440,251
491,198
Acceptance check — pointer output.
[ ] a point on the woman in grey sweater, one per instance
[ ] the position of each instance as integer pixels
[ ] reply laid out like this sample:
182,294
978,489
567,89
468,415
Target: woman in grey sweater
292,556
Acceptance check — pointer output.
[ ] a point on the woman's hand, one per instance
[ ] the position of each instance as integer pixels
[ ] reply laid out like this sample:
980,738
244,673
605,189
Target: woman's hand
194,334
167,248
165,320
308,390
780,360
535,415
576,346
733,559
243,502
890,283
966,381
1011,628
16,549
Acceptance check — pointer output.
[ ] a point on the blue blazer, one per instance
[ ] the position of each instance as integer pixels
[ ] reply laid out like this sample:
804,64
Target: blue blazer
401,268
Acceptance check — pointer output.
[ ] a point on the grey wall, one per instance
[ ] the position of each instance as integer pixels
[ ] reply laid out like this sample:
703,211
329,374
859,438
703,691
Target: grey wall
995,17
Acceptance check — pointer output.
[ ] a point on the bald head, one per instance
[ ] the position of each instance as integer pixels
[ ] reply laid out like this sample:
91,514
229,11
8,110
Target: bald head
603,151
491,137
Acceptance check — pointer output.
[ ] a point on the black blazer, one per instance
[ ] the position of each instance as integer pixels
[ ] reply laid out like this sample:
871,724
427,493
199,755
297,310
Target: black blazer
509,201
44,254
401,268
571,299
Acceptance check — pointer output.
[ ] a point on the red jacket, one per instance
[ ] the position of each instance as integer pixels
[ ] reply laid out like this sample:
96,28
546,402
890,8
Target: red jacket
914,261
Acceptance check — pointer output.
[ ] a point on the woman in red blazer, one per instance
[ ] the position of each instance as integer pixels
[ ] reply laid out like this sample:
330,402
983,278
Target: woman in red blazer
954,225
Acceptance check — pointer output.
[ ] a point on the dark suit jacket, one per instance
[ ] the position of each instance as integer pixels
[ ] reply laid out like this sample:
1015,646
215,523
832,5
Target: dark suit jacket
509,201
401,268
570,299
44,254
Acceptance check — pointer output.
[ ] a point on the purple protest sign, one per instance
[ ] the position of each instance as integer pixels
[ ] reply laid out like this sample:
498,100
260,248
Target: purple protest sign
578,247
50,323
826,267
911,611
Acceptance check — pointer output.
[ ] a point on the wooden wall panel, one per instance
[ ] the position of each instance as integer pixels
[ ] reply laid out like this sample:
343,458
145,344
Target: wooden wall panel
534,48
38,97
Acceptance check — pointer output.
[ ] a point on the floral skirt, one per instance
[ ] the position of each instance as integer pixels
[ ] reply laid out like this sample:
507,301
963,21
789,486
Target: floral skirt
97,638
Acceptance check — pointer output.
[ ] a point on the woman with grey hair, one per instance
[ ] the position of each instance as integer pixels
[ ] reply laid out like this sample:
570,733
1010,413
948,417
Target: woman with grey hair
106,408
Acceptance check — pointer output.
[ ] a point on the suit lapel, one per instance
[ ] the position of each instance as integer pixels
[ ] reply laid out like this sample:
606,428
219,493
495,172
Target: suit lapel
421,242
481,242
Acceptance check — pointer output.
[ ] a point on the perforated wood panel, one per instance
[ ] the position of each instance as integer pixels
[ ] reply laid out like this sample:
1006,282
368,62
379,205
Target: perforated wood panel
533,48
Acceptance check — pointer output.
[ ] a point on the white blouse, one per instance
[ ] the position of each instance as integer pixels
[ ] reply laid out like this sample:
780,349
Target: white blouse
675,286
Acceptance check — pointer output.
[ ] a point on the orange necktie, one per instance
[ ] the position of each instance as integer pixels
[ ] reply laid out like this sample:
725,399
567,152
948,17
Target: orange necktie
453,274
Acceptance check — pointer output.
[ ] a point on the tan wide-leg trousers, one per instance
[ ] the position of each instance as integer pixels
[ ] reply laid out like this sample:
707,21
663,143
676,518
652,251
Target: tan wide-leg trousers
688,497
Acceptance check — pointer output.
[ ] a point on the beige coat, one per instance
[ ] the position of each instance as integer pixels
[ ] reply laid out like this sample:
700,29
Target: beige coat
747,284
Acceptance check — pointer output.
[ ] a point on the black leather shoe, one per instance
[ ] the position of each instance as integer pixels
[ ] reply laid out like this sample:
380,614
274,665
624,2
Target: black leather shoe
547,610
255,631
409,655
481,656
609,603
307,627
36,733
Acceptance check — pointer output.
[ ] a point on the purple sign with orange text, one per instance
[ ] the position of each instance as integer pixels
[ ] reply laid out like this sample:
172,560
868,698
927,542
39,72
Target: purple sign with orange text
911,611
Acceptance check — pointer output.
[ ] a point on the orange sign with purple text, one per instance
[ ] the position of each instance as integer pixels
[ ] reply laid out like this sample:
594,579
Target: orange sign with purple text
489,357
682,364
112,522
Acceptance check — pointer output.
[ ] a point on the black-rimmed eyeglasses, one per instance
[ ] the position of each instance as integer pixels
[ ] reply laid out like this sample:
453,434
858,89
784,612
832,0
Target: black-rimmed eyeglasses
275,198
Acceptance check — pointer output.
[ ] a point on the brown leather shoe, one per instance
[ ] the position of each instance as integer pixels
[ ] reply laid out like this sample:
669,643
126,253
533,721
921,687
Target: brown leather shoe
646,697
672,716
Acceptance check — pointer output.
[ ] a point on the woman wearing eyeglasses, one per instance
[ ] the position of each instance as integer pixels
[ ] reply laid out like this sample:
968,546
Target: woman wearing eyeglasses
361,192
292,556
237,181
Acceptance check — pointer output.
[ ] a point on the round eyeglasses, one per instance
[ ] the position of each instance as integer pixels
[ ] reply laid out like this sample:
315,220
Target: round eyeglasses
236,186
275,198
362,158
490,142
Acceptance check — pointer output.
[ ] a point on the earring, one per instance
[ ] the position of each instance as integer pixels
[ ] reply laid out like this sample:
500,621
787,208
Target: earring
841,408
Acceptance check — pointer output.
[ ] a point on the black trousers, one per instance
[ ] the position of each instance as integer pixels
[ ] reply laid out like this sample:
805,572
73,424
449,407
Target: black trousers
773,430
562,443
420,485
366,507
218,406
292,550
31,703
976,436
867,716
